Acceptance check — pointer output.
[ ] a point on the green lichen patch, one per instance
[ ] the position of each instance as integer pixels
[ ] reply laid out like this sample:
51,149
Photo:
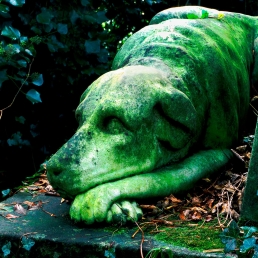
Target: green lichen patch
199,237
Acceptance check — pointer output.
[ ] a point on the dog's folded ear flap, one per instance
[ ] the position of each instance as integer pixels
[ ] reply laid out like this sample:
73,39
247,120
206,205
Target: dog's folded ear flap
175,121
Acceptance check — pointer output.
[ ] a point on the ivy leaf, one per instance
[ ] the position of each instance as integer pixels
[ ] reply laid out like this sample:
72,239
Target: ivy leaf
91,18
28,52
110,253
248,231
233,229
18,3
205,14
4,8
84,2
103,56
22,63
53,44
44,17
231,244
23,40
6,249
5,192
74,16
12,49
3,76
192,16
36,30
255,255
92,46
33,96
27,243
229,235
37,80
101,17
62,28
149,2
248,243
49,27
20,119
11,32
16,140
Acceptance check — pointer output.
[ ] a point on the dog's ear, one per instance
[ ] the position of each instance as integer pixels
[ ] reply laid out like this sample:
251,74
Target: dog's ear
175,124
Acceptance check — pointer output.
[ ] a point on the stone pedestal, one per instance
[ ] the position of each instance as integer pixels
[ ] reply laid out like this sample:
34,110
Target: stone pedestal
49,232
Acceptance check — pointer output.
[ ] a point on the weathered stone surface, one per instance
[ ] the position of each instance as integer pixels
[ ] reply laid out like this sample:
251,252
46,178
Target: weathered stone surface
59,237
164,118
249,209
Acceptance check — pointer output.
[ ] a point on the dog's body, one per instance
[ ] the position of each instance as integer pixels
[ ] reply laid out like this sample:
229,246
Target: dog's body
180,88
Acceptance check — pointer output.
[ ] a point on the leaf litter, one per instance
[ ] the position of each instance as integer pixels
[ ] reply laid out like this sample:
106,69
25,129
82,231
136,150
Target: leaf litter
40,186
216,198
214,203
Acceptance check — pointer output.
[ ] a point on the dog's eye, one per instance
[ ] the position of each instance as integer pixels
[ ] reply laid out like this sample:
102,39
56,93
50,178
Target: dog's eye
114,125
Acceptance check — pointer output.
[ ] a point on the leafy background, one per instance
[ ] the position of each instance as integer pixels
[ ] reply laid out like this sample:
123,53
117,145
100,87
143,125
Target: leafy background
50,52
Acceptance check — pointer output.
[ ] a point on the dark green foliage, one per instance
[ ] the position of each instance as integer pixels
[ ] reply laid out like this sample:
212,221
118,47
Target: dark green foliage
229,237
163,252
232,239
68,44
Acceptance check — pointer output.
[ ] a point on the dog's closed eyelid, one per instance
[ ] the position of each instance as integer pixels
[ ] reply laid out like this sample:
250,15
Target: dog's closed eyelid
114,125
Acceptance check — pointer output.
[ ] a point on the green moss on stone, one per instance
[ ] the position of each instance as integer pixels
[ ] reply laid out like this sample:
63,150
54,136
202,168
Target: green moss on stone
199,238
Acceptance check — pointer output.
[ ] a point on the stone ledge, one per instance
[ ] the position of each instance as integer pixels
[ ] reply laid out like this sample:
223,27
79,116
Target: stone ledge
57,236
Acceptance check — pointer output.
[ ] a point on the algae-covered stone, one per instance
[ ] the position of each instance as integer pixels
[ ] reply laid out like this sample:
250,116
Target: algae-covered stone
164,118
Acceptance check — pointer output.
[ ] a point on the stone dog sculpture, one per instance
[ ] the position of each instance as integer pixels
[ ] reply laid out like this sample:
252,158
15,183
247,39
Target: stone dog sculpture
165,116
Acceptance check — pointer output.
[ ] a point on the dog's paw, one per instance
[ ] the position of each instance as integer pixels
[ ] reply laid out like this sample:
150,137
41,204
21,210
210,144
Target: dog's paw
101,204
124,212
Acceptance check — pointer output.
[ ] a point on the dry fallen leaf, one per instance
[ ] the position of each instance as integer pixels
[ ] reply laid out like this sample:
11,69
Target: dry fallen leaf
199,209
182,215
33,188
42,182
208,218
224,208
209,203
28,203
11,216
196,215
19,209
196,201
49,188
172,198
248,155
35,206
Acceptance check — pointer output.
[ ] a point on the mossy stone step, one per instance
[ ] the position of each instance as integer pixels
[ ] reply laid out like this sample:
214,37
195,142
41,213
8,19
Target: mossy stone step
57,236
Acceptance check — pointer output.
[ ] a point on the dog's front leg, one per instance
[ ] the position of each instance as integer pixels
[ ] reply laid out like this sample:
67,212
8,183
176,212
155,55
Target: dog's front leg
111,201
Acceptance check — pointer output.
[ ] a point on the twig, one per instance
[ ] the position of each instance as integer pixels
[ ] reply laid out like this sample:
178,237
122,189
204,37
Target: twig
220,224
140,229
26,234
49,213
27,77
142,238
254,109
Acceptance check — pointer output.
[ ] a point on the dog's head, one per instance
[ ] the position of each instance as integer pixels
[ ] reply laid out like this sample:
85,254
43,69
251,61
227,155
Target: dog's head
131,121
